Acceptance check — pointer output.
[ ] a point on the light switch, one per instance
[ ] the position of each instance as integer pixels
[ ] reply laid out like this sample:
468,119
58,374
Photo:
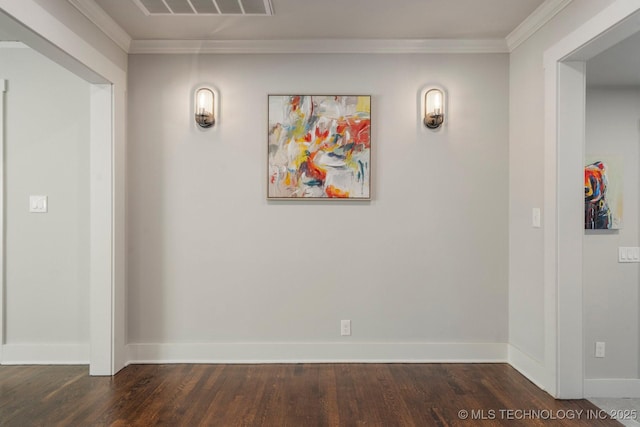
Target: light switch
600,346
622,254
629,254
38,204
535,218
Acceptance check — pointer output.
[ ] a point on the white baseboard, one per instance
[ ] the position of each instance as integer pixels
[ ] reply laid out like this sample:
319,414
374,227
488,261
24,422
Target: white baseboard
322,352
529,367
45,354
612,387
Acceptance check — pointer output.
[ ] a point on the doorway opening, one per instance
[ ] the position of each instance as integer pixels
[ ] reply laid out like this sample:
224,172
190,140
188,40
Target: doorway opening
100,276
565,124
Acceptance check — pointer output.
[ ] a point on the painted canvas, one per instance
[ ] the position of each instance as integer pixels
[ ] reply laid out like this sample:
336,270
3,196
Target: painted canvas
603,197
319,147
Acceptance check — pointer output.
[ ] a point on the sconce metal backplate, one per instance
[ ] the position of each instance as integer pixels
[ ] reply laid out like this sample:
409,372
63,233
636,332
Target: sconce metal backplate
205,120
433,121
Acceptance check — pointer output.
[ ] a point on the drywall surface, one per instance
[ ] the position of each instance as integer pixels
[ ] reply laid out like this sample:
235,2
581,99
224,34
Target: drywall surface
526,179
212,261
46,153
610,288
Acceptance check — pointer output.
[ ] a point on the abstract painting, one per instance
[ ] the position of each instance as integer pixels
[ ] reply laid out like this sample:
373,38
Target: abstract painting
603,194
319,147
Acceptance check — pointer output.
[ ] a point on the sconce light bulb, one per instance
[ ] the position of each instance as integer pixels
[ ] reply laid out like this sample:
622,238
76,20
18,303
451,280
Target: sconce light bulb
434,108
202,101
437,101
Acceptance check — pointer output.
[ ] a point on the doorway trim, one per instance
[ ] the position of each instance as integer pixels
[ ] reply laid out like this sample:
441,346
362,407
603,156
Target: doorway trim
565,88
101,353
3,89
49,35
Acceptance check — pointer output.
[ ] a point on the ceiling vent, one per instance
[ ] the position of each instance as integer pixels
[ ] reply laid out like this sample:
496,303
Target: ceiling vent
205,7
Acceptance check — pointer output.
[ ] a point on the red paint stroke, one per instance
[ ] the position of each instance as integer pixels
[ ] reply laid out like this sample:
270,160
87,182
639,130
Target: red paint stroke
295,102
322,135
359,130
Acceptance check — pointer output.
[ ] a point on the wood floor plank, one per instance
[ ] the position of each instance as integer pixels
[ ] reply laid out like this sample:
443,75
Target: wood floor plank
308,395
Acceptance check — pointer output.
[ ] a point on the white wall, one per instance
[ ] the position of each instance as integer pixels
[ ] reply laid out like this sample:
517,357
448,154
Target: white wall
526,184
47,267
211,261
610,288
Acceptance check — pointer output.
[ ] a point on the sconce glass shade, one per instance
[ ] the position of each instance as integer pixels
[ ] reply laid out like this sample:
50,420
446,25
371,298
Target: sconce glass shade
434,108
204,102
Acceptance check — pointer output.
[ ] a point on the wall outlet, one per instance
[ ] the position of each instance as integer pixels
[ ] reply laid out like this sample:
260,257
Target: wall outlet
345,327
599,349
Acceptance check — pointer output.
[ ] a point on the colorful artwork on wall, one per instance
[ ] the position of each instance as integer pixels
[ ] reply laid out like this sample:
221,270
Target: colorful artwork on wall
319,147
603,197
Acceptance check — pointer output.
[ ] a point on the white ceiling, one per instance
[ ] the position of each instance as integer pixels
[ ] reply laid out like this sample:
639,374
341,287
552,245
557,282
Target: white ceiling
334,19
617,66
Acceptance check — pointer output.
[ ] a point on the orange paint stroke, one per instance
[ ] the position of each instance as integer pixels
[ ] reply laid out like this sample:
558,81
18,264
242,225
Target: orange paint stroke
334,192
313,170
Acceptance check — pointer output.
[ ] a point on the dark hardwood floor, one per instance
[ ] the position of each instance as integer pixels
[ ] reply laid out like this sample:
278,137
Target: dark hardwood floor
284,395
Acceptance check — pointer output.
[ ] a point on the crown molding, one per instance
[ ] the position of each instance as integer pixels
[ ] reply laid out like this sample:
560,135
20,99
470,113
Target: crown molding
12,45
543,14
539,17
104,22
318,46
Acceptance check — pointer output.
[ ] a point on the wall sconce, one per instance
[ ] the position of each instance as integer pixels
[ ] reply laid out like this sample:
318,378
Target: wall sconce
434,108
204,107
